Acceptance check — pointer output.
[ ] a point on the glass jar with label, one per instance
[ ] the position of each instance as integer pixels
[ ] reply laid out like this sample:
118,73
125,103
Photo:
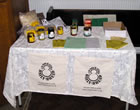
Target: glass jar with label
51,33
41,34
73,30
60,30
31,37
87,31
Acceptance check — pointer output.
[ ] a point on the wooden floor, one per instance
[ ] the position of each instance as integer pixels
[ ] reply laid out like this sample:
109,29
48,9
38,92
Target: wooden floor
62,102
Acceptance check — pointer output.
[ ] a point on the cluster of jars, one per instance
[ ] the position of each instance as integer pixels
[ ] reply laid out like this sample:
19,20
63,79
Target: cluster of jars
87,27
41,32
51,31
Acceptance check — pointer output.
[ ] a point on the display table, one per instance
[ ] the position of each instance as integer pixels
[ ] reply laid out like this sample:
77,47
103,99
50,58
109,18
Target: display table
67,66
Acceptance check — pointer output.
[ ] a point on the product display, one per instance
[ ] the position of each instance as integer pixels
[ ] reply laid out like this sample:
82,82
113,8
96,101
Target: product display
116,40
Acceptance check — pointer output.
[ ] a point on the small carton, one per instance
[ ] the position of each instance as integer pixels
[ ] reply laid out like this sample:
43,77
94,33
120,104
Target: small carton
114,29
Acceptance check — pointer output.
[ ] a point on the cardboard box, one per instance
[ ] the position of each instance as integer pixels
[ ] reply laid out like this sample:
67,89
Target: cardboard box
114,29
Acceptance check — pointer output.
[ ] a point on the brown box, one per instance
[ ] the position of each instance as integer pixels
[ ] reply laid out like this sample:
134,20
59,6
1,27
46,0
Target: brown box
114,26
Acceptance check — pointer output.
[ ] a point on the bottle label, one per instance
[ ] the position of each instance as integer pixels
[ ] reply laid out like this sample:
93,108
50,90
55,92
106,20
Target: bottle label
74,31
31,39
42,36
51,35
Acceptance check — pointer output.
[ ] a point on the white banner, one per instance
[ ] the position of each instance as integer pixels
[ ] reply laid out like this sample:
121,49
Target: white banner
47,73
93,76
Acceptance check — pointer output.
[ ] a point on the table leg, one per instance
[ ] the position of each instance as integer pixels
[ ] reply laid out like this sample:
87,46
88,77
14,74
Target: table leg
19,100
127,106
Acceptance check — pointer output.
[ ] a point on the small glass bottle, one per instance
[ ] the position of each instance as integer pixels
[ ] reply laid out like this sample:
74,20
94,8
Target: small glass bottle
73,30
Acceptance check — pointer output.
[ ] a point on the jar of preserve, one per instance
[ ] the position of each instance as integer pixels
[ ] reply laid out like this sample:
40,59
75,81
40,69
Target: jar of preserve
60,30
41,34
87,31
31,37
51,33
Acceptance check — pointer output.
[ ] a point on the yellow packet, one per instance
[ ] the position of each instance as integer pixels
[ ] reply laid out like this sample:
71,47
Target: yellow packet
35,23
115,44
59,43
118,38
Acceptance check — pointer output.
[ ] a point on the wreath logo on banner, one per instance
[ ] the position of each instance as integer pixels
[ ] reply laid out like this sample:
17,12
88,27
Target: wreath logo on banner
46,72
93,77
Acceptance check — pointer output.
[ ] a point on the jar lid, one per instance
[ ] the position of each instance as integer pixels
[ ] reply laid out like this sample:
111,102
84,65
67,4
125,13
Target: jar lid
50,28
87,28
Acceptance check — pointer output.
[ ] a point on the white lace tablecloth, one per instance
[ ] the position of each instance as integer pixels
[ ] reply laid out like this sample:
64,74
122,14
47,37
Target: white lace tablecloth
17,78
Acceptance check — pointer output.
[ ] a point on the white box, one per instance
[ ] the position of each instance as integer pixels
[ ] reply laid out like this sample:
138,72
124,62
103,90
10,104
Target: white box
114,29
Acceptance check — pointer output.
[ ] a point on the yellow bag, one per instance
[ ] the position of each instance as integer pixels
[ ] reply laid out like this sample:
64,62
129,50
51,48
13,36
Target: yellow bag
115,44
